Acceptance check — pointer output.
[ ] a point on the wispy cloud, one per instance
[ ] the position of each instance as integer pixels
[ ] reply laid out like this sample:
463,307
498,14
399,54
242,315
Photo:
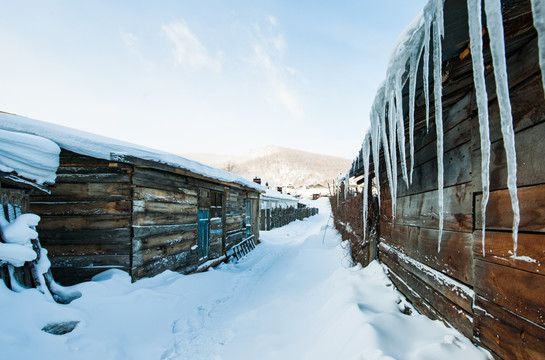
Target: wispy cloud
268,53
130,41
188,50
272,20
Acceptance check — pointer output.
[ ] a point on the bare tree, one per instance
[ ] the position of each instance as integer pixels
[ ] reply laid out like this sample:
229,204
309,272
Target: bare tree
230,167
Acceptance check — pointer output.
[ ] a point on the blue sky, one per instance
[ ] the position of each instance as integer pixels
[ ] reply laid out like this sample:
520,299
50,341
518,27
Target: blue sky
213,76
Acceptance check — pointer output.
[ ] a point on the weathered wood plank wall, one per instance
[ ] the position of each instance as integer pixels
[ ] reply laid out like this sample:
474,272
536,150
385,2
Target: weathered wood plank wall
277,217
86,220
164,218
137,216
494,298
235,213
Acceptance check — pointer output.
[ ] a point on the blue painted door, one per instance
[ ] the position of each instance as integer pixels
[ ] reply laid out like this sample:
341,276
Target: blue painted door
204,233
248,218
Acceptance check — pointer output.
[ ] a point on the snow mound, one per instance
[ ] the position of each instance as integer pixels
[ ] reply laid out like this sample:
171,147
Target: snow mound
31,157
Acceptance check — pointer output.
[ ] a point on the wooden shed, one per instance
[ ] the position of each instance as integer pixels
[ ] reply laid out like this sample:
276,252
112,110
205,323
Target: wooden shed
433,248
118,205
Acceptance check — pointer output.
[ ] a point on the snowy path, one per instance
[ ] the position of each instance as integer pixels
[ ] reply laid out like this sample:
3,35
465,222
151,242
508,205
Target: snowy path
293,297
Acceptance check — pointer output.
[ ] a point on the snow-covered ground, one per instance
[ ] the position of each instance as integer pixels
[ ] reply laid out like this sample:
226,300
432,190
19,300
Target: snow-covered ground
294,297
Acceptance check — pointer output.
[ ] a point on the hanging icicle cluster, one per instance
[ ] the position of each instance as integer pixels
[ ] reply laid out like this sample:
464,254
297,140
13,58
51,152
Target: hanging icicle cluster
424,39
538,9
387,121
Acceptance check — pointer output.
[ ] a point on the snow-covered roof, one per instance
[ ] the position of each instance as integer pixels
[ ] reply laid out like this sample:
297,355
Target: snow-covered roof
29,156
105,148
273,194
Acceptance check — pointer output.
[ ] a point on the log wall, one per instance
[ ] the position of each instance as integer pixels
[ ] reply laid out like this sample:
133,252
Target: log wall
493,298
164,223
137,216
235,213
86,220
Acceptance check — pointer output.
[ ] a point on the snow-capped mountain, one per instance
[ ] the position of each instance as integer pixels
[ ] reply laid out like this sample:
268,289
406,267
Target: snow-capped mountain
279,165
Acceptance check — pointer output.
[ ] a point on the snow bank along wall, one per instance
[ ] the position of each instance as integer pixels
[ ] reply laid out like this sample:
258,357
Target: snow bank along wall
118,205
430,223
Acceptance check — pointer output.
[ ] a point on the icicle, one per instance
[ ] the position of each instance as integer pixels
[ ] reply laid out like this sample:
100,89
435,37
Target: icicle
438,89
346,184
375,138
380,113
476,44
393,152
413,70
400,124
538,10
495,30
365,148
426,67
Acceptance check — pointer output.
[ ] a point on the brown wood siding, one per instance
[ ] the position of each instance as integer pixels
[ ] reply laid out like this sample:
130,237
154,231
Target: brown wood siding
164,217
139,218
86,219
505,310
235,212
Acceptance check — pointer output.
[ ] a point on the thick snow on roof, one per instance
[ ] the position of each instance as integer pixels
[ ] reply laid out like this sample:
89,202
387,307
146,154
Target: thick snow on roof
31,157
273,194
102,147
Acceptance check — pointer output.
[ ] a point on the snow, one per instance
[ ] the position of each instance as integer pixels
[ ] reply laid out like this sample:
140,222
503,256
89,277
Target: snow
476,43
21,230
524,258
273,194
16,254
460,289
17,235
31,157
295,296
105,148
495,30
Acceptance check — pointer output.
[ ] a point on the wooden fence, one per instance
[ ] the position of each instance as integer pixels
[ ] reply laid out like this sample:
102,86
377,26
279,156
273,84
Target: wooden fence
273,218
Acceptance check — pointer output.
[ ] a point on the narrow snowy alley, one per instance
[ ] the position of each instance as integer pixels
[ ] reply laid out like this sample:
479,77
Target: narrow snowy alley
294,297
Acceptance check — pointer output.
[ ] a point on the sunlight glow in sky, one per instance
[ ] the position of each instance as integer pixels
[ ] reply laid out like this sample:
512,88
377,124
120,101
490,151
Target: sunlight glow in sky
209,76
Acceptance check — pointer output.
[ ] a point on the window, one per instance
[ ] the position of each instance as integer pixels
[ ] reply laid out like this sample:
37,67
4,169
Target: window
216,204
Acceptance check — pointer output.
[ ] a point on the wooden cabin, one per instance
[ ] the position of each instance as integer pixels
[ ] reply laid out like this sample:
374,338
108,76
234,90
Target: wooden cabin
117,205
494,298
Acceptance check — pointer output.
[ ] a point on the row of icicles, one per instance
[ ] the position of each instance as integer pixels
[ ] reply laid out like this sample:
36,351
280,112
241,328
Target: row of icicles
388,104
